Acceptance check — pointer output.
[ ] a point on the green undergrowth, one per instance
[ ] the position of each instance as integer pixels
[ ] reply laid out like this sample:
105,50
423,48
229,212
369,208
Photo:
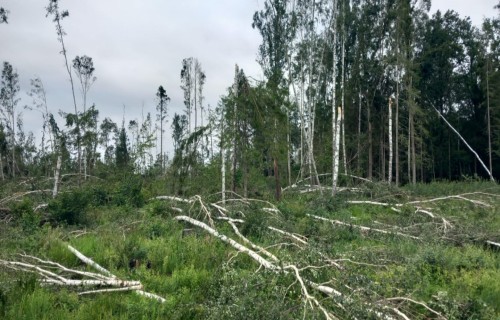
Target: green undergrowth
449,268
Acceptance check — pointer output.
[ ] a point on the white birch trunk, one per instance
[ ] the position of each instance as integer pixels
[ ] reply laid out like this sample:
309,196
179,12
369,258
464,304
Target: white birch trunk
267,264
344,156
56,177
334,116
90,262
465,142
335,173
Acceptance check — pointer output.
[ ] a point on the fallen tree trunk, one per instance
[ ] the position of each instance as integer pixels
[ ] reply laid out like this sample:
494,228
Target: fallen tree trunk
466,144
362,227
53,273
234,244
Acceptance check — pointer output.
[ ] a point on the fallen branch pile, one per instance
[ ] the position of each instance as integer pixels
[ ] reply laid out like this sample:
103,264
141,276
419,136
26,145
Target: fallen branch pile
53,273
313,293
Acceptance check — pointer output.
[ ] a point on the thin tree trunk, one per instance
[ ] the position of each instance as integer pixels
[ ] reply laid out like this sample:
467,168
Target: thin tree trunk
56,177
13,139
245,179
223,159
195,95
412,139
161,134
336,152
465,142
421,160
1,167
335,157
413,153
408,153
370,145
344,155
289,165
488,115
277,180
235,90
397,134
382,161
389,178
359,134
302,123
78,134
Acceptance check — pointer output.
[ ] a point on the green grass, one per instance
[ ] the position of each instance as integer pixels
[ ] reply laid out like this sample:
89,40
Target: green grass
453,272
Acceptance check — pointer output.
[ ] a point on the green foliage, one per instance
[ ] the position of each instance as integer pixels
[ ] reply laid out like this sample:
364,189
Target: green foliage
122,156
24,214
69,207
242,295
129,191
203,278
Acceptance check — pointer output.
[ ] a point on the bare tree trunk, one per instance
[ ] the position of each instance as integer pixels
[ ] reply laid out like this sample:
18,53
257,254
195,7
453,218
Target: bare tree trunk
277,180
78,134
370,145
1,167
465,142
336,152
421,161
195,94
56,177
413,152
289,165
382,162
389,178
488,115
397,134
359,134
245,179
302,128
335,156
161,136
344,155
410,122
13,139
235,90
223,159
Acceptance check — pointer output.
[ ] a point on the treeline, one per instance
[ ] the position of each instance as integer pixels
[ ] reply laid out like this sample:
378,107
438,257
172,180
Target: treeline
359,88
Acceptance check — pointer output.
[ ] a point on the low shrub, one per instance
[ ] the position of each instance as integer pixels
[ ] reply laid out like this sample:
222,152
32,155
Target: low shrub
69,207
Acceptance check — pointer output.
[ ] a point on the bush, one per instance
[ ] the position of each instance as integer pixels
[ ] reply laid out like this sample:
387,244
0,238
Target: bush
69,208
23,212
129,192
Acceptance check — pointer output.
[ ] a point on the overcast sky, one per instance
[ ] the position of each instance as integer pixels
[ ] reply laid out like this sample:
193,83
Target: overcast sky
138,45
